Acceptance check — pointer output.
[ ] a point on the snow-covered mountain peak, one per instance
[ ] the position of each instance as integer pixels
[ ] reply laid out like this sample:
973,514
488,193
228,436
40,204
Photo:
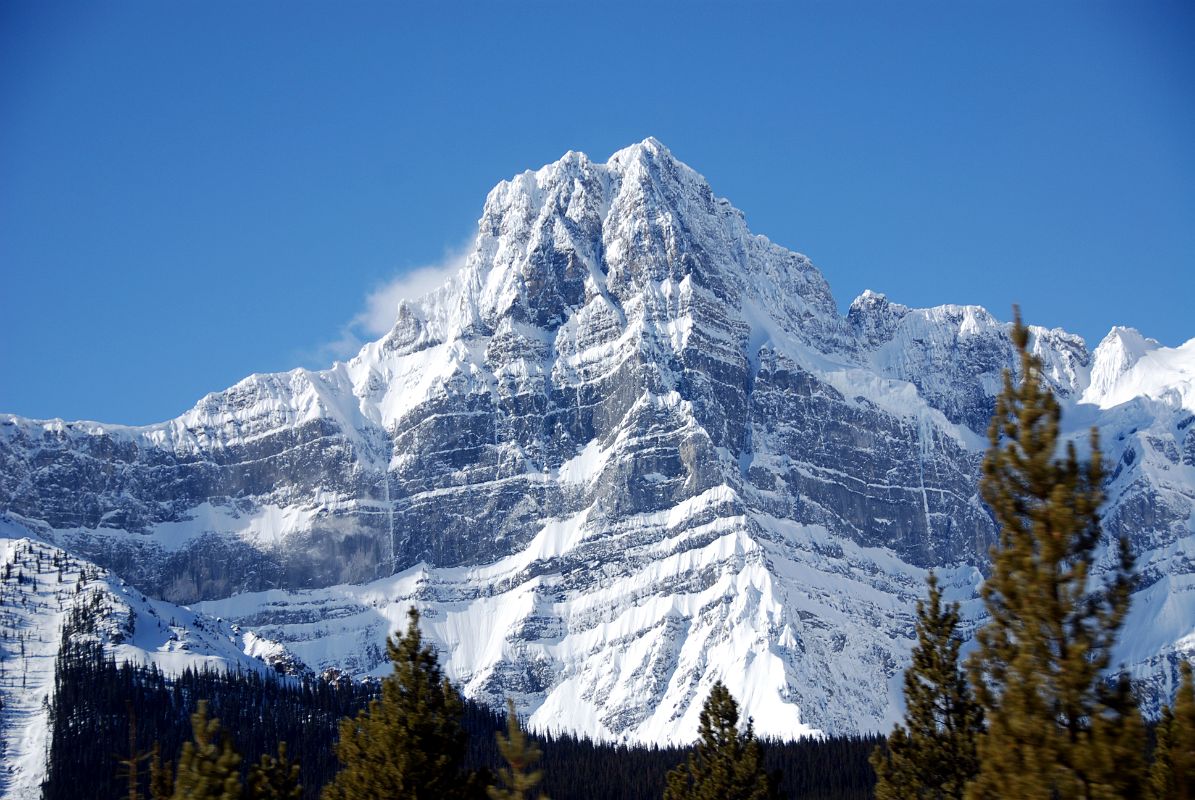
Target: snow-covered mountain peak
1065,359
868,299
1127,365
1115,355
630,447
875,320
644,152
553,240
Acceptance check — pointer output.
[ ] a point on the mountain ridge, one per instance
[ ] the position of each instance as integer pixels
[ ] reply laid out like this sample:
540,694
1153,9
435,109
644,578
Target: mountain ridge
643,443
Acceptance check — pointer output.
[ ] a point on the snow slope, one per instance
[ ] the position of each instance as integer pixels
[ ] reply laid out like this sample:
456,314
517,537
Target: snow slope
607,663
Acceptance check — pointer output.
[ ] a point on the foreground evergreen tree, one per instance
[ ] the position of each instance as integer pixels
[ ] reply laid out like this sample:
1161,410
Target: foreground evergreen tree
727,765
518,777
274,778
409,743
1173,773
161,776
131,766
1117,762
932,755
207,770
1053,728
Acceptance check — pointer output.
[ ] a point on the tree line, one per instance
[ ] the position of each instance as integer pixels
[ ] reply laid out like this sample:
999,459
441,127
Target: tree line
1033,712
130,731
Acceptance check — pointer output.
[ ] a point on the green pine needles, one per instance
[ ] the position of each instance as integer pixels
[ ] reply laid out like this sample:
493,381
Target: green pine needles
727,764
208,767
1053,727
1173,772
409,743
275,778
1045,721
933,754
519,777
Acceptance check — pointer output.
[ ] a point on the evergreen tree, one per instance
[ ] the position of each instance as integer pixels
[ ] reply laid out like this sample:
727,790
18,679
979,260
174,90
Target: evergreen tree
727,764
1053,727
206,770
1173,774
274,778
933,754
520,754
409,743
1117,760
1182,737
131,766
259,711
161,776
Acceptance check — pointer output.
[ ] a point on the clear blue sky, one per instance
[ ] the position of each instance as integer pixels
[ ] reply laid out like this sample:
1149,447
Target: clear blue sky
191,192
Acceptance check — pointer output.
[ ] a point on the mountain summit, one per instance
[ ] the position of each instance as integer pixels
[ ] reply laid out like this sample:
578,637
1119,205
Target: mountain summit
630,449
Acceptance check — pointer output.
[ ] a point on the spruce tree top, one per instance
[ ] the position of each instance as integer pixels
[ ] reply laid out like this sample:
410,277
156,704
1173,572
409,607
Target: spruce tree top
727,764
1054,727
410,743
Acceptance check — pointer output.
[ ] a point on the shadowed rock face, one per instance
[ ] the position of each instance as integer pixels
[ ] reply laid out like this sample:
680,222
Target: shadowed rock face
621,377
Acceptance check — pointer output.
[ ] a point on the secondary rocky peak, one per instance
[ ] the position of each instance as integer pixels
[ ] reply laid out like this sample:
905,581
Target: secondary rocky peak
874,318
1127,365
869,299
1115,355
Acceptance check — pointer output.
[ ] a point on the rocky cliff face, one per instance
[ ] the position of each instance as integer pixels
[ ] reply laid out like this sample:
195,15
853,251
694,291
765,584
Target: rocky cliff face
631,448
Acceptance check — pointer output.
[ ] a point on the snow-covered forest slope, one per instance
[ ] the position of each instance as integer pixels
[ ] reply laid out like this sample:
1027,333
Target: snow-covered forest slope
47,595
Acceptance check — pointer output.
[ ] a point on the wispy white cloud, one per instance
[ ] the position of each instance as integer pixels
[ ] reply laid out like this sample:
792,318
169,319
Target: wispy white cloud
380,307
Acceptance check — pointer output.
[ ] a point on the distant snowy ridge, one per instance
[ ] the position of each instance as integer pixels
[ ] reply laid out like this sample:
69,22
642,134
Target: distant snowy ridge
629,449
1127,366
